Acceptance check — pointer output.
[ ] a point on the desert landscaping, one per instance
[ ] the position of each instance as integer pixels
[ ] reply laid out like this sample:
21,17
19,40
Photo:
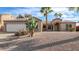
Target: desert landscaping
42,41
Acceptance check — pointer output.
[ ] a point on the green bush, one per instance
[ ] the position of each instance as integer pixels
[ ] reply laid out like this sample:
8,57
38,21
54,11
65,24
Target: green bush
72,29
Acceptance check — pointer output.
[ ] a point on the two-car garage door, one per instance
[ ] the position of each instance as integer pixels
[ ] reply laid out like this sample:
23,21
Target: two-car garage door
14,27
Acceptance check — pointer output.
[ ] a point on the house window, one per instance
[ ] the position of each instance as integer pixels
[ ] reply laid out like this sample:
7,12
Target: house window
68,26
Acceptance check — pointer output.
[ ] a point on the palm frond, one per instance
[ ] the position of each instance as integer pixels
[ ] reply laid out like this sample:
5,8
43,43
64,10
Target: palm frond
74,9
58,14
71,8
46,10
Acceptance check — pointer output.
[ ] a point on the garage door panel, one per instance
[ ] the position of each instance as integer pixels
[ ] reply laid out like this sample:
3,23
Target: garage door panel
15,27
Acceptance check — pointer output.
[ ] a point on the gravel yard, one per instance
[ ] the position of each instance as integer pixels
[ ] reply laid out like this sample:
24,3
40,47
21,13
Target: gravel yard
43,41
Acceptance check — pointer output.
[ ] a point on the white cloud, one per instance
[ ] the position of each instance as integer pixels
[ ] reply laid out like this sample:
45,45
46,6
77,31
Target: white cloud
66,13
75,19
59,9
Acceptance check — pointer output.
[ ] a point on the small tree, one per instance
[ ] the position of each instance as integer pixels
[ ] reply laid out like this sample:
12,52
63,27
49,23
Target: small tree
31,25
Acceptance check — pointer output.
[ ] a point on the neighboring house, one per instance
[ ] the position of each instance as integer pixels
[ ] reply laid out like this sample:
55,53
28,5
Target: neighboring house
9,23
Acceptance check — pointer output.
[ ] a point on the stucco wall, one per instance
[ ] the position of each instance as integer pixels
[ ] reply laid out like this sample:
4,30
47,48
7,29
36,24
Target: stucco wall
5,17
74,26
15,24
39,26
63,26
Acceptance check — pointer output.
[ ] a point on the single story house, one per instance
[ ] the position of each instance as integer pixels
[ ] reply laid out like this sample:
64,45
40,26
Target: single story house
9,23
59,25
19,24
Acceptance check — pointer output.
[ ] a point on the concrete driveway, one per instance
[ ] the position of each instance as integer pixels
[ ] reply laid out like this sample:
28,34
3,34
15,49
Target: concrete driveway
44,41
5,35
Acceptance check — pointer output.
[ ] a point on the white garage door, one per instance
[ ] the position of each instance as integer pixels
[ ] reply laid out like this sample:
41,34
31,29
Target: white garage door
15,27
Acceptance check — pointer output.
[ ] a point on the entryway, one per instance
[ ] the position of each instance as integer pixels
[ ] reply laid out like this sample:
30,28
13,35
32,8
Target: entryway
56,27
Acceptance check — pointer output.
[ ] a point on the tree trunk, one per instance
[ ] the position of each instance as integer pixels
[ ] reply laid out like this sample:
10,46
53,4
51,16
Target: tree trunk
32,32
46,23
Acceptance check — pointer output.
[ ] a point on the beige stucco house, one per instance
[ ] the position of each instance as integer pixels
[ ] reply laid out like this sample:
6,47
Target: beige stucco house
4,17
10,23
59,25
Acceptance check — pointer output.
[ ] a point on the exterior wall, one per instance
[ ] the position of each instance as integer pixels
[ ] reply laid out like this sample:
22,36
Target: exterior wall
4,17
63,27
53,28
18,25
7,17
39,24
74,26
54,22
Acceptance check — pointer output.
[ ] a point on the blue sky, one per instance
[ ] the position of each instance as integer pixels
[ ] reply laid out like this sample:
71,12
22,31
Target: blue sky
35,11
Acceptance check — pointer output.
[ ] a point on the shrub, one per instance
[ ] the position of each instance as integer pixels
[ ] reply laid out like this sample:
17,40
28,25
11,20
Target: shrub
77,28
31,25
20,33
72,29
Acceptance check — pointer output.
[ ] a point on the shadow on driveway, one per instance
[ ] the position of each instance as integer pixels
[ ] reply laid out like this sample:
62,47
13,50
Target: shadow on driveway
32,45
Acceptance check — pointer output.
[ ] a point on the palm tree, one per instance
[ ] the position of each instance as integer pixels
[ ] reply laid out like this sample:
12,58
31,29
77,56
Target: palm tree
20,16
58,15
74,9
45,11
27,16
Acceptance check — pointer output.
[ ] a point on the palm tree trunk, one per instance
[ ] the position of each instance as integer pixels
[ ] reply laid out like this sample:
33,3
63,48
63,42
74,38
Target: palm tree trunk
46,23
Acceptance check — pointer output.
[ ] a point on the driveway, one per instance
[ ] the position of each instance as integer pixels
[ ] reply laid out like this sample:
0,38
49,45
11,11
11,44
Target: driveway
44,41
5,35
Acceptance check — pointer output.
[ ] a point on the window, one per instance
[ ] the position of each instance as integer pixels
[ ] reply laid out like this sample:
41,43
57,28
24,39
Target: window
68,26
